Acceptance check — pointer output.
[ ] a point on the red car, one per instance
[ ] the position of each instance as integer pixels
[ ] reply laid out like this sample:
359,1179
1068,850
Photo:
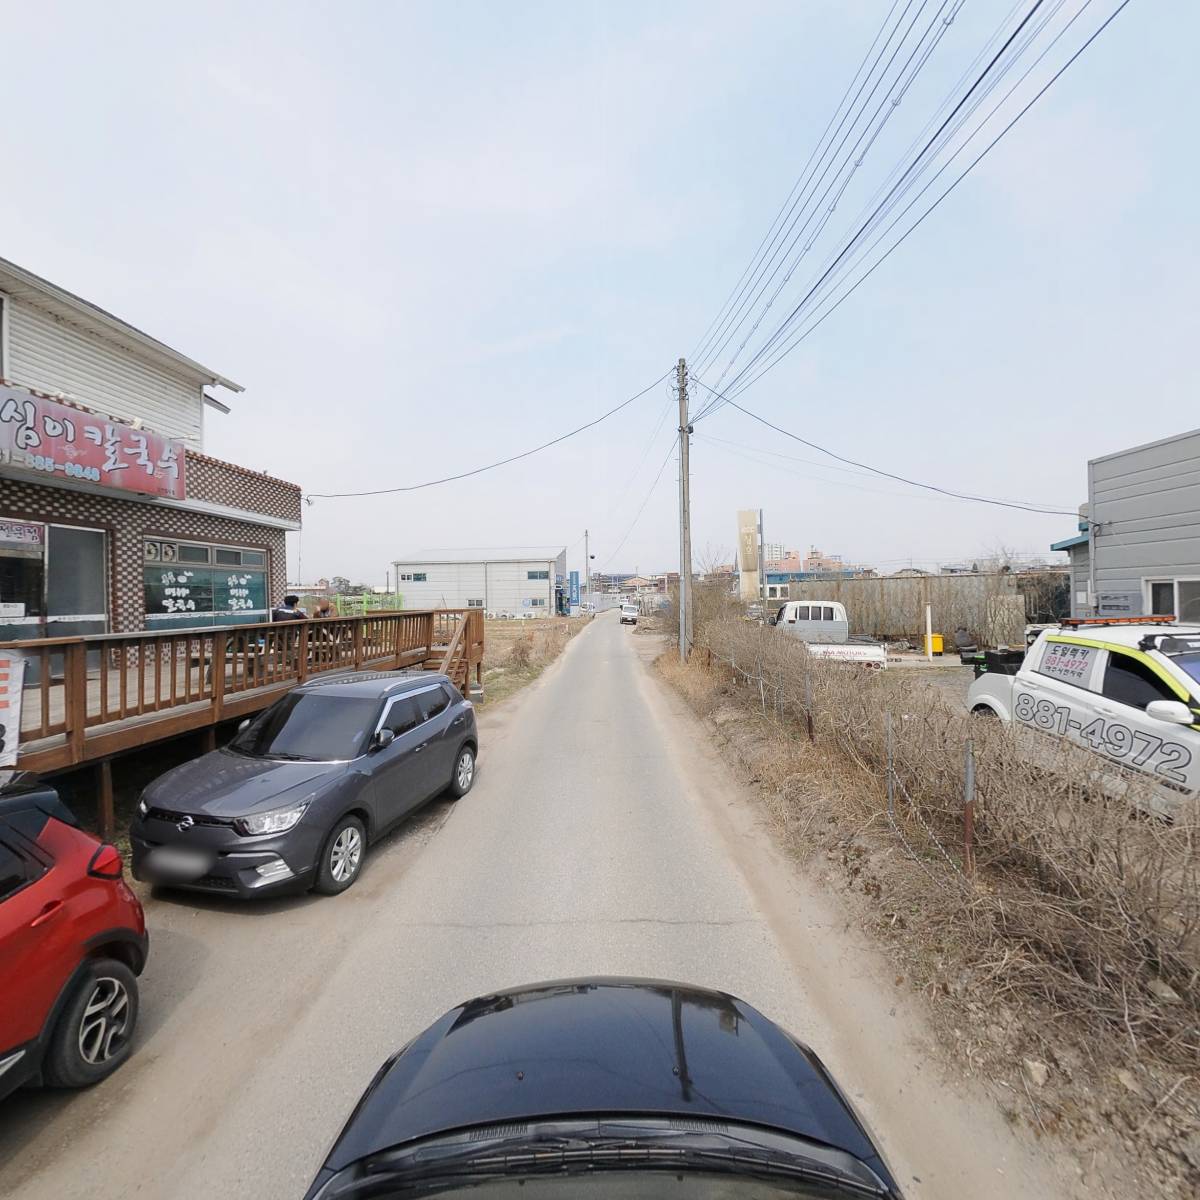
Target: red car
72,943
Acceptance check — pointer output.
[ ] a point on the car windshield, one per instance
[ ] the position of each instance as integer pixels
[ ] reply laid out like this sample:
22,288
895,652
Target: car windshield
1189,662
622,1184
310,726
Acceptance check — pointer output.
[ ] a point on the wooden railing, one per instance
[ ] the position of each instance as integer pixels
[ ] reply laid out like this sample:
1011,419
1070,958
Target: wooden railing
88,698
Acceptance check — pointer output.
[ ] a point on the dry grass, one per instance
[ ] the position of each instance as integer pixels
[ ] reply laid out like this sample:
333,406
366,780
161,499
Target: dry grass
517,652
1076,942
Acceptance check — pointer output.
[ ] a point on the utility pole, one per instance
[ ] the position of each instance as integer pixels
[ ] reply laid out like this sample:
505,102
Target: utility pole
587,569
762,565
685,517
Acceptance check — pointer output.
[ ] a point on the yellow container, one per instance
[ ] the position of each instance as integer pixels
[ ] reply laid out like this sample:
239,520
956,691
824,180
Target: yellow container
936,644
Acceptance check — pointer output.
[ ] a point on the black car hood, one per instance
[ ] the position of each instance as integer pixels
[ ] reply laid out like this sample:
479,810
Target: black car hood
618,1047
224,784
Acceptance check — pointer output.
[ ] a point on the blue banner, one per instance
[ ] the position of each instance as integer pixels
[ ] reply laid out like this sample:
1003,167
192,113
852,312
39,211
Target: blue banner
574,587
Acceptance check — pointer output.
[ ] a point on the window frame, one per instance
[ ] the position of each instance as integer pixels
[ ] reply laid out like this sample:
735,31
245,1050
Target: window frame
537,576
1099,663
1116,653
5,304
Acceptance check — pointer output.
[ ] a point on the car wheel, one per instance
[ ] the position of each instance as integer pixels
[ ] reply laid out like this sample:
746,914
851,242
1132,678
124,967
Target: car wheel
464,773
342,856
982,710
94,1034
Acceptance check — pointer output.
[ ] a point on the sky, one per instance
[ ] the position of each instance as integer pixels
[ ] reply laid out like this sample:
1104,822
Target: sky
426,236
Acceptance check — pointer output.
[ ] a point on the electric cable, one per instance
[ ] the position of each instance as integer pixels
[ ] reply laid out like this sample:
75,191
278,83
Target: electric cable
413,487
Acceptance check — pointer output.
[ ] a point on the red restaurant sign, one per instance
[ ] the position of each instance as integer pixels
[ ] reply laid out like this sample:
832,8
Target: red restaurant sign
55,441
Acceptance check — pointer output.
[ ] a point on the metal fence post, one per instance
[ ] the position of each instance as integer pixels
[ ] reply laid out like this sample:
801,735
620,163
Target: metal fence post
891,782
969,809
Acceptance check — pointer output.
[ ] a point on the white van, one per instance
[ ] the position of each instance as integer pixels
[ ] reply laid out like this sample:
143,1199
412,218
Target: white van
814,621
629,614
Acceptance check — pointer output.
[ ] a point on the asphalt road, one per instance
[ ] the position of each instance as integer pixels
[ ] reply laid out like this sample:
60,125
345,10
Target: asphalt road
605,835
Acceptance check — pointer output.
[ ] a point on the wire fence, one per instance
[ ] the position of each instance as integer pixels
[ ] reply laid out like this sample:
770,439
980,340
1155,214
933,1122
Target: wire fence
1071,890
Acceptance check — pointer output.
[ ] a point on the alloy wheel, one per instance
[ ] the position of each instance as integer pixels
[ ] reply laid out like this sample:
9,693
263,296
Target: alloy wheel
345,854
104,1027
466,770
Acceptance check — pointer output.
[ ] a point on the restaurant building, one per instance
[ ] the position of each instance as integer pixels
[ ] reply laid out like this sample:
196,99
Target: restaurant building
112,518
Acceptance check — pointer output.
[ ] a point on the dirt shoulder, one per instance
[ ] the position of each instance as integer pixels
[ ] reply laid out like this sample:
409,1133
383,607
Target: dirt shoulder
1125,1121
516,652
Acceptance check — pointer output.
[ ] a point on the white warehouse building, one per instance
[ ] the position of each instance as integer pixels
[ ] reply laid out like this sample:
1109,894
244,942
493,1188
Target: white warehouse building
518,583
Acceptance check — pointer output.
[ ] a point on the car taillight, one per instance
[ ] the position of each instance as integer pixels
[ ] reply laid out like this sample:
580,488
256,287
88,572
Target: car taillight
106,863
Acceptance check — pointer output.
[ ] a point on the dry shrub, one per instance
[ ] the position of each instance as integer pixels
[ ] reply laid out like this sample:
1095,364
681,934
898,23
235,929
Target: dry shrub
1078,899
520,654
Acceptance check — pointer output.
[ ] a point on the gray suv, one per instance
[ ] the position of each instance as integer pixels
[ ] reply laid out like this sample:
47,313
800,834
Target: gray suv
294,799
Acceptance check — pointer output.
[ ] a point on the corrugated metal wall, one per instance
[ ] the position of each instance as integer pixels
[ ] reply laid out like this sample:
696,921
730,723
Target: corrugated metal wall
1146,502
503,586
50,355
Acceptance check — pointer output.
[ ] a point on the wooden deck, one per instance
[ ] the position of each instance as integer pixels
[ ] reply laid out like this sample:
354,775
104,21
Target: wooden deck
88,698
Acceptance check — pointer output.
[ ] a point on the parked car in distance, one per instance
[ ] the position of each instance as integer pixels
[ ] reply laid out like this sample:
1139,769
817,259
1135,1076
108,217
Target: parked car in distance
825,629
1127,691
294,800
659,1088
72,944
629,614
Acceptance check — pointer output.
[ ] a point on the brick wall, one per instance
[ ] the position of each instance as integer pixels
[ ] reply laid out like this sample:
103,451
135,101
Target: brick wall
128,522
238,487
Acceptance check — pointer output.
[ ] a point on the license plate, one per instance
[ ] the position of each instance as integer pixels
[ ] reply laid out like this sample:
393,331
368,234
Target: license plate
173,864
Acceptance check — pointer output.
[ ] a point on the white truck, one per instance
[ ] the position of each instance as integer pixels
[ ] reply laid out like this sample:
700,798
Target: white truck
1127,689
823,627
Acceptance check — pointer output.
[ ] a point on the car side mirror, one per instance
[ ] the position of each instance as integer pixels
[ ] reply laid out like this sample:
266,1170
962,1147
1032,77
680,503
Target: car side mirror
383,739
1174,712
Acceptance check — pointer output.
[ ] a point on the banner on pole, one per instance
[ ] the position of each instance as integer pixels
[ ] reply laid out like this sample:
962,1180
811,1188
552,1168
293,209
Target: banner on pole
12,681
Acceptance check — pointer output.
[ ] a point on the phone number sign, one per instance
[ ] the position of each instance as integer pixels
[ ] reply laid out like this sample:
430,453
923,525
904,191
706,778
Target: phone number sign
54,440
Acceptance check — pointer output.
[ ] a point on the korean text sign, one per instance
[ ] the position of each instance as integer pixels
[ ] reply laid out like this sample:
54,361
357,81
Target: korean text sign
54,440
1070,663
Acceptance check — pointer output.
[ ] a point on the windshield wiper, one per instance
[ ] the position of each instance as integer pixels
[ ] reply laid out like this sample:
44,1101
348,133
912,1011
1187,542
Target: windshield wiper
555,1153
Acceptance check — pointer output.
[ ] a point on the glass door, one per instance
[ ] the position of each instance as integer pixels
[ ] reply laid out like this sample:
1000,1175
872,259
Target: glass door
76,582
22,580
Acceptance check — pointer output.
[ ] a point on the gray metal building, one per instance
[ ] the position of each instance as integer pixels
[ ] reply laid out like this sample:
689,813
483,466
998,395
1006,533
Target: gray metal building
1138,546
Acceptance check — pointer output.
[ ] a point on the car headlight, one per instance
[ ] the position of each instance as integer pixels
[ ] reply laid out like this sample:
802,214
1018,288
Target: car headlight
278,820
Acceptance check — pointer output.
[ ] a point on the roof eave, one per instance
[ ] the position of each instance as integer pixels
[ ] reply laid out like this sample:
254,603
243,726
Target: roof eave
92,314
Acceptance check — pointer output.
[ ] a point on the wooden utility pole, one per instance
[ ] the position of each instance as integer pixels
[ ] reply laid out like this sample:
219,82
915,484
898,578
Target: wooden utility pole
685,517
587,569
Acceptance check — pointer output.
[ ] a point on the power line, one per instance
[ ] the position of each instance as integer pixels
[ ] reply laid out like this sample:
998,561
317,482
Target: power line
413,487
748,452
800,184
779,355
1023,507
801,335
853,159
825,206
642,507
901,182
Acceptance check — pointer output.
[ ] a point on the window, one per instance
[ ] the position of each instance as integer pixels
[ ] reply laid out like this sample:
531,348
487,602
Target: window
309,727
1187,606
827,613
1129,681
1068,662
801,612
474,603
537,574
12,871
413,577
3,337
1162,597
402,716
181,590
433,702
538,602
